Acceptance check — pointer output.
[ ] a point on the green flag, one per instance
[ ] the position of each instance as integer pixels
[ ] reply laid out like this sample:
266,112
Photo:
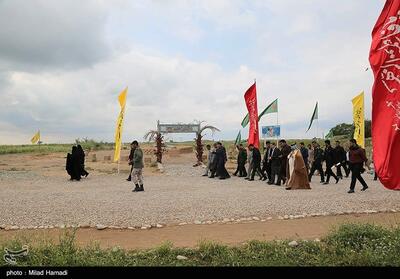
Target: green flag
245,121
238,139
314,116
271,108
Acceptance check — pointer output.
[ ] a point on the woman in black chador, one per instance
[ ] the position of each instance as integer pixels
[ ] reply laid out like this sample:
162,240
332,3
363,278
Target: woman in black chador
221,160
81,155
73,165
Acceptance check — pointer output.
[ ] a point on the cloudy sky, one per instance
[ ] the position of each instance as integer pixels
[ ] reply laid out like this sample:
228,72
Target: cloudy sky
63,64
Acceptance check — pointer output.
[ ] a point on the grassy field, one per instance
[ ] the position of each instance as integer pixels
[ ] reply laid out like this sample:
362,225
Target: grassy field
51,148
349,245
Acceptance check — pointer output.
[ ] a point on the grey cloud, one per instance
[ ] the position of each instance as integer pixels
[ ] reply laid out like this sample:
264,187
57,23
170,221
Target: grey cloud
42,34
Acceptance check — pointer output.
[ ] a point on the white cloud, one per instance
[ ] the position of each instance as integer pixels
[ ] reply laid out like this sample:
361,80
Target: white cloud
160,88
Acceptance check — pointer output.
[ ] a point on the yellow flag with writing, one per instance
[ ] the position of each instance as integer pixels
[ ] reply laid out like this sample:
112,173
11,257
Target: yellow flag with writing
35,138
120,120
358,118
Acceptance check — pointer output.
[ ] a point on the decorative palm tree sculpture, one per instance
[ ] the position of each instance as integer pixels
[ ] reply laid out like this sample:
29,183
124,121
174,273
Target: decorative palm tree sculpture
199,143
158,138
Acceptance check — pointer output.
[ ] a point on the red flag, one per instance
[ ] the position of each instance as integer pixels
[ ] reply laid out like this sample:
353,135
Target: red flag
250,98
385,63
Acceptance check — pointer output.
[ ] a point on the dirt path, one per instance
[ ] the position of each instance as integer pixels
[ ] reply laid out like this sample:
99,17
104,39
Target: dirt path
230,234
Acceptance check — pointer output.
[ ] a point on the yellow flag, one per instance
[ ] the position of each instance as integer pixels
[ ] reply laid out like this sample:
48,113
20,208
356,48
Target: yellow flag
358,118
35,138
120,120
122,98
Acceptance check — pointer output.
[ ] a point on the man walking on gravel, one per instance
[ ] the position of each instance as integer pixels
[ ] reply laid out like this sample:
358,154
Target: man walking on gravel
357,158
275,160
329,156
137,161
285,150
209,158
266,168
340,160
256,162
317,162
251,166
241,162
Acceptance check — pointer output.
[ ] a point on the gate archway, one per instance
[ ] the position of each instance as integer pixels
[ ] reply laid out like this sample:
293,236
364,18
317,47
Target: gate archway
179,128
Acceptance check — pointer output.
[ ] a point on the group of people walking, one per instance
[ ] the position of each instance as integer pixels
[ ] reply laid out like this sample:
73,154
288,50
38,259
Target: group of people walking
277,163
75,164
292,166
216,161
337,158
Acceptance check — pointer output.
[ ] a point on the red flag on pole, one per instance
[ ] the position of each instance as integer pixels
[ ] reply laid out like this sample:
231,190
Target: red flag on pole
385,62
250,98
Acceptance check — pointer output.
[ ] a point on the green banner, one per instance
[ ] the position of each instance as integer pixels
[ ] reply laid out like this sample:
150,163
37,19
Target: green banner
245,121
271,108
314,116
238,139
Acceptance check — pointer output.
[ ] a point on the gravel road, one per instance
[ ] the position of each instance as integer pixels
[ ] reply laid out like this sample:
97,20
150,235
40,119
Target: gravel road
180,195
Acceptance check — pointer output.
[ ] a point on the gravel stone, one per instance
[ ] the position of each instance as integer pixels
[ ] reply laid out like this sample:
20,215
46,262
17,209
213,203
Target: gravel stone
178,196
101,227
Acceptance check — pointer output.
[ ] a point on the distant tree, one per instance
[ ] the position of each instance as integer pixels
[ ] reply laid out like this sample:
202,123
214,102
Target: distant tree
345,129
342,129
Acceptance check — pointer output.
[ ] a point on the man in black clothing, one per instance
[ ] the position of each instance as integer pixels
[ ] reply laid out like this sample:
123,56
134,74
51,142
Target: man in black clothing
304,153
285,150
330,162
340,160
266,168
275,162
256,161
317,163
130,161
241,162
357,159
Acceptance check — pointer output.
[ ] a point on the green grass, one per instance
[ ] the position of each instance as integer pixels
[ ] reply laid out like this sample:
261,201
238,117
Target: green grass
43,148
349,245
51,148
